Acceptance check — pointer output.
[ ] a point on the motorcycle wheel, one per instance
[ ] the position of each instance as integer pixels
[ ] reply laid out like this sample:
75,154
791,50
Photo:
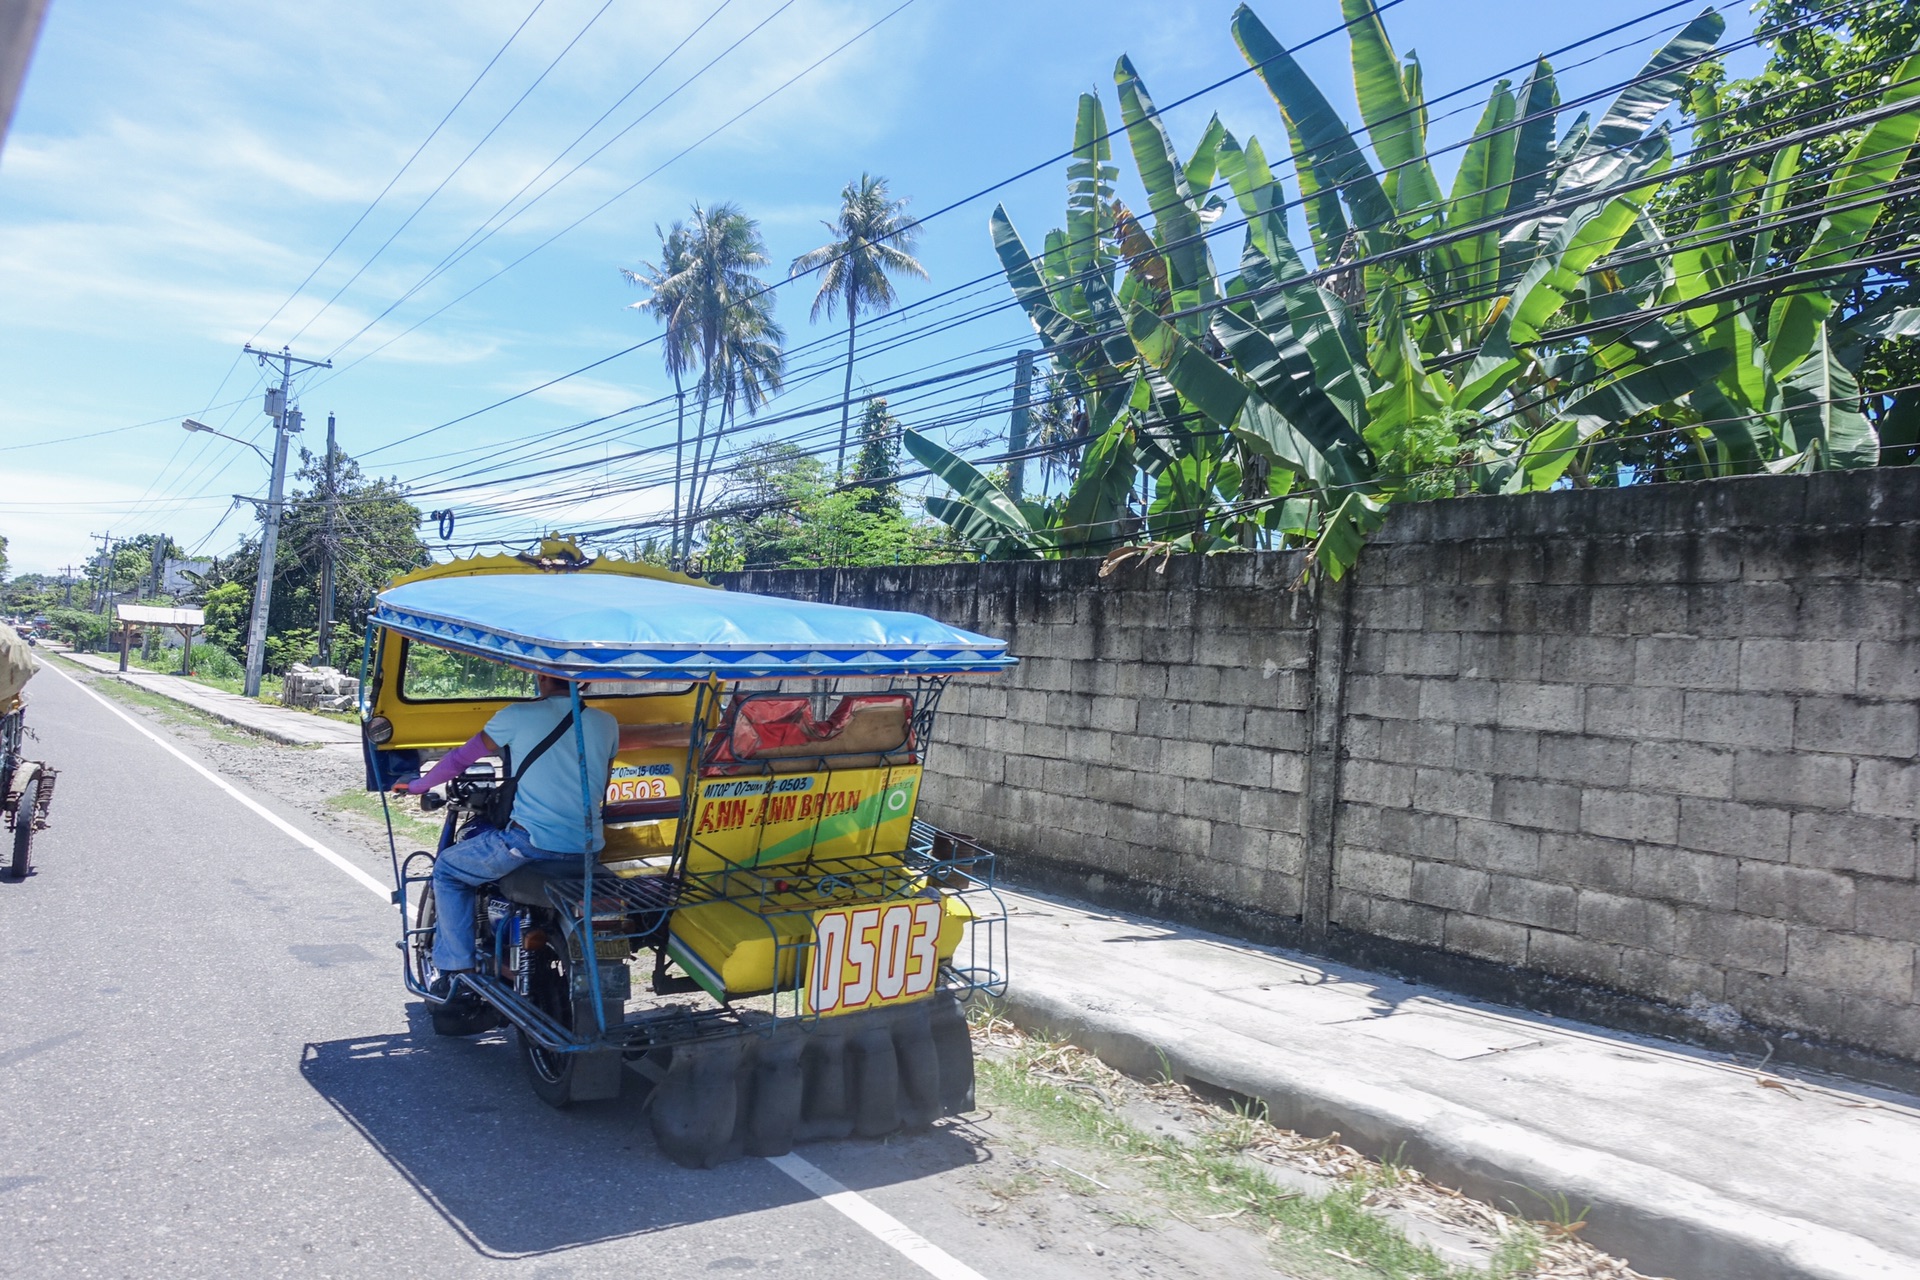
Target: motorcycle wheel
550,1074
21,863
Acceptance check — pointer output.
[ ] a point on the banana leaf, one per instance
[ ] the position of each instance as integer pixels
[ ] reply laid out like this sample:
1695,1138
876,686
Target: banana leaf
1480,190
1328,450
1053,267
1773,199
1403,391
1053,326
1261,198
1658,85
1823,410
1900,429
1090,179
1182,500
1642,390
1326,221
1203,168
1391,114
1538,106
1558,271
1211,389
1876,160
1328,147
983,503
1414,81
1544,460
1096,513
1176,217
1345,533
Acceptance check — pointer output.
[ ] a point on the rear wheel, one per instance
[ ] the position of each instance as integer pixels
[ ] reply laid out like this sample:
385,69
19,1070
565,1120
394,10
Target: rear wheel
562,1079
550,1073
21,861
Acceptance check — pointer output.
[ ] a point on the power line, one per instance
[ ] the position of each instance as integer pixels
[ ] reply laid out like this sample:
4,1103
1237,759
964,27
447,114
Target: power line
486,230
1159,111
453,172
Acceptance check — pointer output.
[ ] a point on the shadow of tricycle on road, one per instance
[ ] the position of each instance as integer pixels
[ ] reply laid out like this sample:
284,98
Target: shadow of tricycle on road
517,1178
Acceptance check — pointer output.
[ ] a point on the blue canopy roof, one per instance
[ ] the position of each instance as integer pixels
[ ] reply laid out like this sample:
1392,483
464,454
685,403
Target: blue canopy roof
614,626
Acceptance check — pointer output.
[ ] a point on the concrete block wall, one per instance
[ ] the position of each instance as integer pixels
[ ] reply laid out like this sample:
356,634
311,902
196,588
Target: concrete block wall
1659,740
1663,742
1152,743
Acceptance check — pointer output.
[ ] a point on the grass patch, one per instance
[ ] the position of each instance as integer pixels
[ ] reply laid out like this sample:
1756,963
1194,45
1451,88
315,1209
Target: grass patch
1059,1091
410,829
166,709
270,686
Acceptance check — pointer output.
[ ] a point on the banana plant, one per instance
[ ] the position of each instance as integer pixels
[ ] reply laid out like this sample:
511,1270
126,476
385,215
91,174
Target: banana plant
1426,348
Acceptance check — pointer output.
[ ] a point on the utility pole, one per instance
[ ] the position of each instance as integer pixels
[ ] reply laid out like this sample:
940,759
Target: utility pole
286,421
326,558
1017,428
106,567
67,582
159,565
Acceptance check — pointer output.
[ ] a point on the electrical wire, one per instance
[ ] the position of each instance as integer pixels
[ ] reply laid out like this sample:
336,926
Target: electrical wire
454,172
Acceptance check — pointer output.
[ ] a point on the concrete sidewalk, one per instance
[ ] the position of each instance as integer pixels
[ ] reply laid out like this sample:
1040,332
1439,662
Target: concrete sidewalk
281,724
1694,1166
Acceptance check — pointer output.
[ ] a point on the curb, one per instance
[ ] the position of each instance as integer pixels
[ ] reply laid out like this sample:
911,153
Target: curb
274,735
1661,1223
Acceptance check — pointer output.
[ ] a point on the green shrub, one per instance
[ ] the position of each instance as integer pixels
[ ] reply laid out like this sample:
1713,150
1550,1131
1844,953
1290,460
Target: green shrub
81,629
212,660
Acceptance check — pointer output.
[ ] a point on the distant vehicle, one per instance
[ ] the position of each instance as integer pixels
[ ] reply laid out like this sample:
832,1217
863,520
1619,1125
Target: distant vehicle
26,786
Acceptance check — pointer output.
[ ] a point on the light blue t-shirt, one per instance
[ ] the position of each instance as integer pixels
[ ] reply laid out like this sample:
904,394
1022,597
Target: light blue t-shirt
547,802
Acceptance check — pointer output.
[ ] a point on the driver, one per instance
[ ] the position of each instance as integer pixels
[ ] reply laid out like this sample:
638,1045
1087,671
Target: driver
548,821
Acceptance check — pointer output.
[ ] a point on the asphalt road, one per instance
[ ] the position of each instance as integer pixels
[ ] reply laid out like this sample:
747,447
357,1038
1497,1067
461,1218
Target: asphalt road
208,1067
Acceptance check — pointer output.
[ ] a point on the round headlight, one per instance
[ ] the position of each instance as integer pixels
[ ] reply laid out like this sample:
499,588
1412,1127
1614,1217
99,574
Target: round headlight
379,730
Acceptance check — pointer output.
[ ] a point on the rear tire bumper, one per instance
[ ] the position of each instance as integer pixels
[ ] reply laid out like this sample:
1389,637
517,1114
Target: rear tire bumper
867,1074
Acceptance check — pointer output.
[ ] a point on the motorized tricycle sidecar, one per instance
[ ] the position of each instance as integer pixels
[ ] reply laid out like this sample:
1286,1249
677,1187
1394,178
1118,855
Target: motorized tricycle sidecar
805,941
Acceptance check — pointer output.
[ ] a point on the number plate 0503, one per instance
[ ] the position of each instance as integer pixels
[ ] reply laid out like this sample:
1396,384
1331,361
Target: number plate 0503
864,956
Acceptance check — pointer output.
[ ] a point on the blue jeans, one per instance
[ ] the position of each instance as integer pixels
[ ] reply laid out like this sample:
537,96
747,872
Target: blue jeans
481,858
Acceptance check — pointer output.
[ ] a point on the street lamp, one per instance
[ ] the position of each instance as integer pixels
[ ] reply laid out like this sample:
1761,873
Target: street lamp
192,424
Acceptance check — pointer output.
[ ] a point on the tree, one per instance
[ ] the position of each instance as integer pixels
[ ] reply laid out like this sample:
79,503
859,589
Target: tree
872,240
3,557
879,460
781,509
375,538
226,610
748,369
728,313
1826,61
31,593
670,301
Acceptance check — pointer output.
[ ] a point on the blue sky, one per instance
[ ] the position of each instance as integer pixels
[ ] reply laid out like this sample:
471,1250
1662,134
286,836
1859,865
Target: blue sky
175,171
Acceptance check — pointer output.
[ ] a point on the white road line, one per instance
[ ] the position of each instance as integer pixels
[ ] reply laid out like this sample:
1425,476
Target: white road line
876,1221
883,1226
385,892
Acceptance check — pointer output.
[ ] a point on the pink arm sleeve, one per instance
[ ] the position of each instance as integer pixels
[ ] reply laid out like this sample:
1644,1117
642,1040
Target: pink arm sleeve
453,764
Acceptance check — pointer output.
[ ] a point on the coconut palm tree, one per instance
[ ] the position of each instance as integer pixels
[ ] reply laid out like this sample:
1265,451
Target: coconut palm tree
668,301
872,238
748,367
728,317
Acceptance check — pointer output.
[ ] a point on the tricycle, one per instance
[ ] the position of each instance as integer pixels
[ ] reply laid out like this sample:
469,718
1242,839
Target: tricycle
805,941
26,786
